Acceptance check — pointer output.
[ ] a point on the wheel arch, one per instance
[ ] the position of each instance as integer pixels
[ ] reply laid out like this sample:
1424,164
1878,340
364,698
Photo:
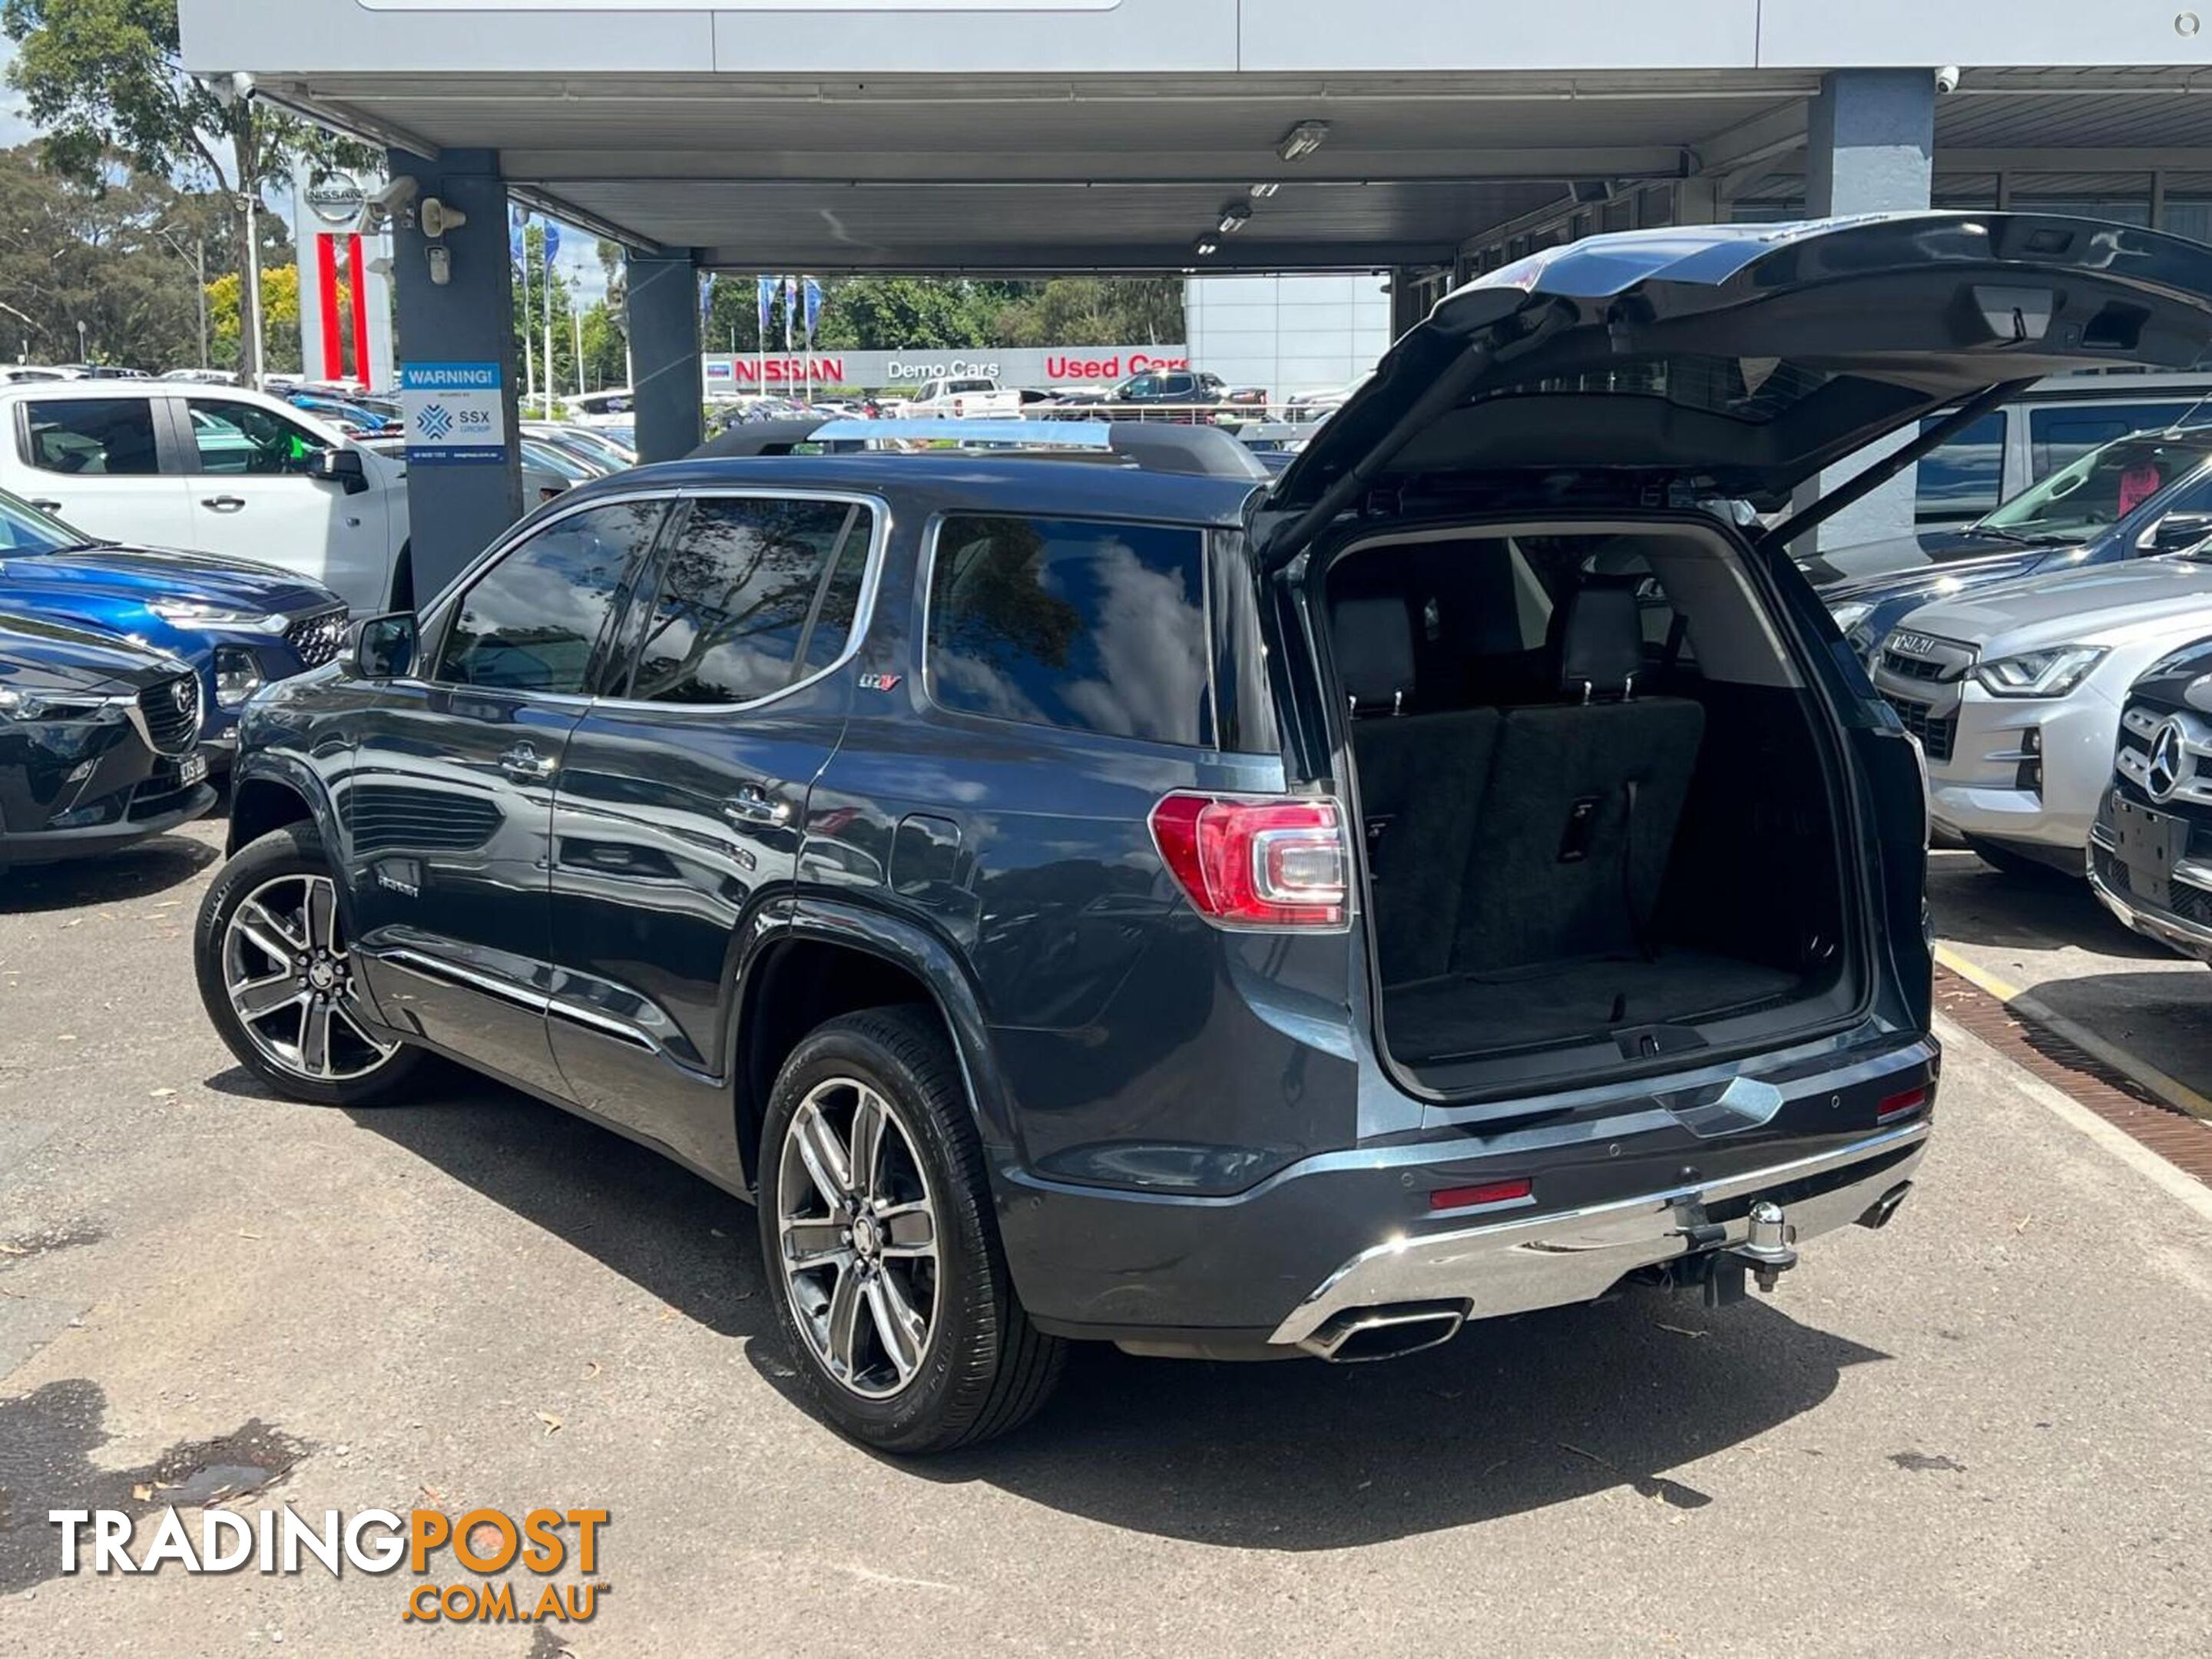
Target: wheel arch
267,793
837,959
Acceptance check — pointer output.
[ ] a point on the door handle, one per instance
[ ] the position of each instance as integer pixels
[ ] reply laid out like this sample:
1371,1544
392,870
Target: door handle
45,505
525,765
751,804
223,503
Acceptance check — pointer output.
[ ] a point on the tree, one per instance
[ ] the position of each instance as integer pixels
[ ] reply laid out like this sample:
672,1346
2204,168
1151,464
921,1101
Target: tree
917,313
105,77
100,256
1094,311
280,312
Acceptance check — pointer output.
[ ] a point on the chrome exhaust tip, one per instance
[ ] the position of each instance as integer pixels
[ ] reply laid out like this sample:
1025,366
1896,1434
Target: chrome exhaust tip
1361,1334
1879,1213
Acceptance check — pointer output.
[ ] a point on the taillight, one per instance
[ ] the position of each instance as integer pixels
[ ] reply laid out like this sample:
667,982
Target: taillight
1897,1105
1258,861
1490,1192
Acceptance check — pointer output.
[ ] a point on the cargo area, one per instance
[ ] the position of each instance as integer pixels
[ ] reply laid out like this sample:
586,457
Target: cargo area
1599,808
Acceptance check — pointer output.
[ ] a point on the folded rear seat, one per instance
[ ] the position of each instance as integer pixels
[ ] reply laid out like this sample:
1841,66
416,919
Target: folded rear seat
1571,847
1422,777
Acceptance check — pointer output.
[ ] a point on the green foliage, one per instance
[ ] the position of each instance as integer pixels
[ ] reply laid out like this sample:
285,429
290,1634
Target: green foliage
280,317
886,314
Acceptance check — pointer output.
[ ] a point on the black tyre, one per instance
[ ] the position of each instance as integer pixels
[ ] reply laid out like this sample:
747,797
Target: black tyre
881,1252
276,977
2016,866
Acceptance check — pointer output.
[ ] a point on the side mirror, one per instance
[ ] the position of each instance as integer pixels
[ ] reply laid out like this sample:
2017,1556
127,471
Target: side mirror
2177,531
342,467
383,648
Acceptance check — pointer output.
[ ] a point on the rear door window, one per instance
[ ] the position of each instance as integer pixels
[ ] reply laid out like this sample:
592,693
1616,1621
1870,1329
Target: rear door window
99,437
743,609
1060,621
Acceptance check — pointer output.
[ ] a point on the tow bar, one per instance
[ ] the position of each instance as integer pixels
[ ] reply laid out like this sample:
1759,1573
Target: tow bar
1719,1267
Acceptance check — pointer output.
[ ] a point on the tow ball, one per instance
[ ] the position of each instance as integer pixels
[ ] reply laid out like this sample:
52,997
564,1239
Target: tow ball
1720,1267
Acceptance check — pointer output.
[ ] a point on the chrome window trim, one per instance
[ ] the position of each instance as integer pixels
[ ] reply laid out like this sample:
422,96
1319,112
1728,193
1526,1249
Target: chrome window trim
864,612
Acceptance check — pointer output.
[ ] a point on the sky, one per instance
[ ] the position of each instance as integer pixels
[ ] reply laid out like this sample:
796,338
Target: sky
15,128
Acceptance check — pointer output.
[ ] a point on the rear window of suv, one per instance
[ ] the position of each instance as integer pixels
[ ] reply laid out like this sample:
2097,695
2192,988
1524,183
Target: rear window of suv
1059,622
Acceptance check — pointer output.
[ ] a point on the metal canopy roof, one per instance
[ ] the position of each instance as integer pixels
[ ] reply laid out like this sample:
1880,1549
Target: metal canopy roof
1122,172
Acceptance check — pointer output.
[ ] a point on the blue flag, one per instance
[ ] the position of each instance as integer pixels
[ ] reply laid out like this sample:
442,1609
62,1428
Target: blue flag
764,288
813,307
706,295
516,219
552,243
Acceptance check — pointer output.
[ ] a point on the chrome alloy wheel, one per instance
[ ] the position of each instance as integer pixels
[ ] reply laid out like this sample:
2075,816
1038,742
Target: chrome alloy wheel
859,1227
290,982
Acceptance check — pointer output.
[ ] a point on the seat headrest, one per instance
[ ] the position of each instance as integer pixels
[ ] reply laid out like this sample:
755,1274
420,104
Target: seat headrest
1374,640
1602,647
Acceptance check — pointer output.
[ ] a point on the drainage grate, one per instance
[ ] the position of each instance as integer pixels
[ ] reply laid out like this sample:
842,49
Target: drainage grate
2179,1139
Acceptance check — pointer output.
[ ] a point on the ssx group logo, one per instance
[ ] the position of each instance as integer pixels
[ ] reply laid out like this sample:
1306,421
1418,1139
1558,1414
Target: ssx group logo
434,421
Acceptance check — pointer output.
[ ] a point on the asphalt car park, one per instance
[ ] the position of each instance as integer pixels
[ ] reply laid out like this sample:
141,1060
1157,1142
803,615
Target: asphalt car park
1976,1431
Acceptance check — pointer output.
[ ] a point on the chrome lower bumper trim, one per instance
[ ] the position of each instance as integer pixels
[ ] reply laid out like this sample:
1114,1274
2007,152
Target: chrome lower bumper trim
2190,938
1577,1255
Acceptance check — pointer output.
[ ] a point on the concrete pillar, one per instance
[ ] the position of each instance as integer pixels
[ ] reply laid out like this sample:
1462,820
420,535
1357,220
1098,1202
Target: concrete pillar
1870,136
664,343
455,509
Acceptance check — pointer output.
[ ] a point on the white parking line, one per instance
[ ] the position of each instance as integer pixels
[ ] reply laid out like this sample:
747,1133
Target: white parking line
2122,1146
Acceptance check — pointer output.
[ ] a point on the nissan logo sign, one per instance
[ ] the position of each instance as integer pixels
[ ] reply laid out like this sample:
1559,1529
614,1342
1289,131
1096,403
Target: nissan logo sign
335,198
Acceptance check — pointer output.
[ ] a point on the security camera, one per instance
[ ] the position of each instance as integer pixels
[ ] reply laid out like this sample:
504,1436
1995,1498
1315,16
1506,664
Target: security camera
1947,78
227,89
388,204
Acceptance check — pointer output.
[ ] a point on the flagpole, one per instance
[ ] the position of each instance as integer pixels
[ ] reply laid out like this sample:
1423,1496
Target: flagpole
547,412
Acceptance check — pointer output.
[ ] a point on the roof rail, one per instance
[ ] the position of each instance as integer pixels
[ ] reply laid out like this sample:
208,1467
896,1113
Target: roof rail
1192,451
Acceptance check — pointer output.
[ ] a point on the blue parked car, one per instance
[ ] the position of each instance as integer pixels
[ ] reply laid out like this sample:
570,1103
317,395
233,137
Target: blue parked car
239,625
2139,495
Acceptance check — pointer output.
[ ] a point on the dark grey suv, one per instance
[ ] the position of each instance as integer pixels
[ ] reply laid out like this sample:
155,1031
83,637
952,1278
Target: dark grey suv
1220,915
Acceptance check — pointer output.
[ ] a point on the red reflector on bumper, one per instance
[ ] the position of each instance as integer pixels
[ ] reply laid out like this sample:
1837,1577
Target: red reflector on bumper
1492,1192
1898,1104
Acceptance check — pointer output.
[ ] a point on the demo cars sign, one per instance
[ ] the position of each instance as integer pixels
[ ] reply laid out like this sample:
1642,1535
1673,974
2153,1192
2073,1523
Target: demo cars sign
455,413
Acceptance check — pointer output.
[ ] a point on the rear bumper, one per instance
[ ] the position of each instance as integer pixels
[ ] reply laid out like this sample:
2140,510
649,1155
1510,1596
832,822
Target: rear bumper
1343,1231
1554,1261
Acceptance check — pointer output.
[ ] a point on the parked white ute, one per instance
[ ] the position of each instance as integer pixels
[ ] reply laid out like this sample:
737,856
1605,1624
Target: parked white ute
972,397
2015,693
215,469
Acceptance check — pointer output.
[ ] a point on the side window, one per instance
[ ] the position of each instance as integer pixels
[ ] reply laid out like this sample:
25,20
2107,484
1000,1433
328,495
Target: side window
1056,622
1144,386
533,621
1963,477
245,438
110,437
841,597
742,597
2063,434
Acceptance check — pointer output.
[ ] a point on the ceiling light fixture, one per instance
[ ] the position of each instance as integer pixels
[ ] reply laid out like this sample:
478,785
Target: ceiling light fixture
1302,140
1234,217
1206,244
1263,191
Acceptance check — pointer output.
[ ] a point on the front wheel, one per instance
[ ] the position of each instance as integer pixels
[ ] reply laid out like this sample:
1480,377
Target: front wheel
882,1256
277,978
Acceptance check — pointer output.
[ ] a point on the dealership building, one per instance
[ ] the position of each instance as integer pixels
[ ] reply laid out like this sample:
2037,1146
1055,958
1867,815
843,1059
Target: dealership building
1411,143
